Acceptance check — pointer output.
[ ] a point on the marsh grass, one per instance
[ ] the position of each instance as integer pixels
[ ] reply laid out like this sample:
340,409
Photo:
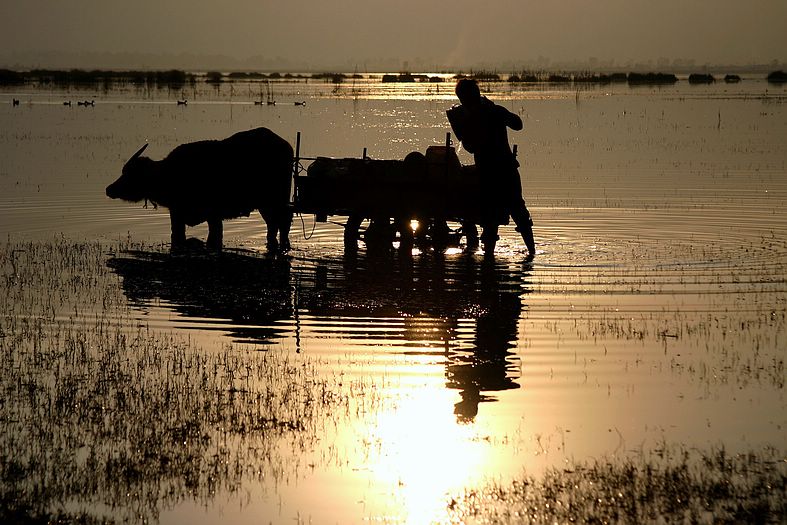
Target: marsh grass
105,419
670,485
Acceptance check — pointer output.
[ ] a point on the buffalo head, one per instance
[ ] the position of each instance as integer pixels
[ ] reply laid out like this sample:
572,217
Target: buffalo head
135,181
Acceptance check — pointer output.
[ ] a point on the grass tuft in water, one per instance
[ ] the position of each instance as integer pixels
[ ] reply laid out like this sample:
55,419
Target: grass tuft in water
675,486
105,419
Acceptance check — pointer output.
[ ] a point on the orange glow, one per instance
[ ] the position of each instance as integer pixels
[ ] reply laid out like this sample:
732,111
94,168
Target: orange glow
426,453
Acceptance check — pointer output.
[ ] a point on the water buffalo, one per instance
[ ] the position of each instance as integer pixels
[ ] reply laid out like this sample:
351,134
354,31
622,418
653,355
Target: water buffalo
213,180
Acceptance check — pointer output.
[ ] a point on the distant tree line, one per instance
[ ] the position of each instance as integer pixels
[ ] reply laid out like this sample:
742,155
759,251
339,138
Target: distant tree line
176,78
216,77
171,78
633,78
79,77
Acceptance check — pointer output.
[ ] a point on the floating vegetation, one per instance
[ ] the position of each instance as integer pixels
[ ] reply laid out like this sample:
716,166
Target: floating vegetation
524,77
777,77
410,77
618,77
557,78
485,76
701,78
335,78
664,487
586,77
651,78
591,78
401,77
240,75
214,77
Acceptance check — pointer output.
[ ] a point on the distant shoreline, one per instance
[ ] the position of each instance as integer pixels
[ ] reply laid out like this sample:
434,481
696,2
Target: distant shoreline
179,78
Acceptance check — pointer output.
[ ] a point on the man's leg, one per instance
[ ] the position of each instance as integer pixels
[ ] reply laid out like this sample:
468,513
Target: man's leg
519,212
489,237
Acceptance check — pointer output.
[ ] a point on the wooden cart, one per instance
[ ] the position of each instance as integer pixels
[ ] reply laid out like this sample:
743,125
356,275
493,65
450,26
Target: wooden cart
431,188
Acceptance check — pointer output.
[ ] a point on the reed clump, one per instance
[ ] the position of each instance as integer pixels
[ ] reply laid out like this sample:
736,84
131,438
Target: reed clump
105,419
668,486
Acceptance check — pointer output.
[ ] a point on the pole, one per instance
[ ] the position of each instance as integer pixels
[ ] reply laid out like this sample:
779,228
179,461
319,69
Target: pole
296,165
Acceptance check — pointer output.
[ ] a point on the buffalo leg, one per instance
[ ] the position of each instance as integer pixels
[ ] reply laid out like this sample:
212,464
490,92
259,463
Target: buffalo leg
215,234
278,222
272,226
285,221
178,227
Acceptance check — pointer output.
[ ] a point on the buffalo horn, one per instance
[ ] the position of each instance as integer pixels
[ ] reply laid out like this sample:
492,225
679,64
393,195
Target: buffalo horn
138,153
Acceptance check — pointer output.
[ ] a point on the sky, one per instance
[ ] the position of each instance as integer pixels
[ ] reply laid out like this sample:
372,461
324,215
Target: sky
423,33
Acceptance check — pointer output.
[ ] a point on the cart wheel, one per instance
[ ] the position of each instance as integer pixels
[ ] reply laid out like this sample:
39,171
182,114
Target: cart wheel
380,233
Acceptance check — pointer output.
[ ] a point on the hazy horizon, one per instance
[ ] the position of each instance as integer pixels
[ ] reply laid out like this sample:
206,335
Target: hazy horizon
373,35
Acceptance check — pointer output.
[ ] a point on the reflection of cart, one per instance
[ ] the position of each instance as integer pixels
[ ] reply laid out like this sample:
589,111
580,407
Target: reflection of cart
430,188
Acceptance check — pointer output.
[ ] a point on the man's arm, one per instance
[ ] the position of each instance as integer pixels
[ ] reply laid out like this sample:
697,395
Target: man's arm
461,124
511,120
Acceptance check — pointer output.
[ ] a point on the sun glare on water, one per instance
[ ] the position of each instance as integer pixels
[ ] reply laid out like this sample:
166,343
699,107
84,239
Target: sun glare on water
425,453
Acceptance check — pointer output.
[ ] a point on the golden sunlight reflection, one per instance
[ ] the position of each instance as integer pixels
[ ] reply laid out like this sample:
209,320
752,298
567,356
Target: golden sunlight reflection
426,453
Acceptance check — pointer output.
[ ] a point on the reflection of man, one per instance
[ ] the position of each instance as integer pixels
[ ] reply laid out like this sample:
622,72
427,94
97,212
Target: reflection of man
481,126
490,366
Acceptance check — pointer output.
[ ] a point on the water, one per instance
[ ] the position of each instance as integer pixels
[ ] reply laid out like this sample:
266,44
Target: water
653,314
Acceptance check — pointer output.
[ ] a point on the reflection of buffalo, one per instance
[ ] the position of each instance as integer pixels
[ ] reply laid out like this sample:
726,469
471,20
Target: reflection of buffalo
213,180
249,293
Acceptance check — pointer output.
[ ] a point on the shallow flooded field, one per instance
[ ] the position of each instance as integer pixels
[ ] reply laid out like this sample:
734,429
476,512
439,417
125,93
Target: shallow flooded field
643,346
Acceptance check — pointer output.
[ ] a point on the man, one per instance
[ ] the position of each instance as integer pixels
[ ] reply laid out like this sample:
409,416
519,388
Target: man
481,127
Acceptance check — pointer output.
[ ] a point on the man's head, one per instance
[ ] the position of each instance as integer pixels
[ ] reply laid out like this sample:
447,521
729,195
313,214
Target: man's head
468,92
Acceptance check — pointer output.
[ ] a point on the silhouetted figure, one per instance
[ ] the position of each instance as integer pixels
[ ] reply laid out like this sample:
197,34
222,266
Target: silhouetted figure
213,180
481,127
